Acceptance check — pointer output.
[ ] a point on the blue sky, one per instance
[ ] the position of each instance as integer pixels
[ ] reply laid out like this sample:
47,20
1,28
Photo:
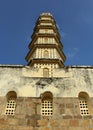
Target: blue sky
74,19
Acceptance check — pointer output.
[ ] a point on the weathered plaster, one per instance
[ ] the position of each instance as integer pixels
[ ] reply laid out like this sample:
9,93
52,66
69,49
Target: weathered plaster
29,82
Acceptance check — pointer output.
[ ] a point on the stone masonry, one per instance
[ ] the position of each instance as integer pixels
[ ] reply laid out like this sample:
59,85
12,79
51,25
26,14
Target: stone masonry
65,88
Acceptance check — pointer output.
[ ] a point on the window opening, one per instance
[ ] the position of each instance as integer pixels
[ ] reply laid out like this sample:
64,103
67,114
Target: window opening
46,30
46,72
46,39
47,109
10,107
46,54
47,104
83,107
83,104
11,103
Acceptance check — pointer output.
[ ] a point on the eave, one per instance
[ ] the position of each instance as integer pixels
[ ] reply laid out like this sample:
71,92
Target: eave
45,46
44,60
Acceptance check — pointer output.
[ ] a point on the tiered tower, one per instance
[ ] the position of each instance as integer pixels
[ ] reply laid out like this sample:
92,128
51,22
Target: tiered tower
46,47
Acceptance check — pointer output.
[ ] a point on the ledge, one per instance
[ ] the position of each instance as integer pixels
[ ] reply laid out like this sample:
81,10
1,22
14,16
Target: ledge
11,66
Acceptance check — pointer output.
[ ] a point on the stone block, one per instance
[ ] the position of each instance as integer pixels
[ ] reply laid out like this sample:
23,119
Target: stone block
42,122
22,121
3,121
78,117
64,122
31,122
54,123
13,121
69,105
62,105
67,117
84,122
78,128
37,100
24,128
20,116
91,128
62,111
61,128
68,111
4,127
39,109
73,122
46,128
92,122
31,105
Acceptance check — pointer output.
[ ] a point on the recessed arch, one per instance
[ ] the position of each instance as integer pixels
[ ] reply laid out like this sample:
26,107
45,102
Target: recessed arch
83,103
11,103
47,95
83,94
47,104
45,72
46,54
46,39
11,95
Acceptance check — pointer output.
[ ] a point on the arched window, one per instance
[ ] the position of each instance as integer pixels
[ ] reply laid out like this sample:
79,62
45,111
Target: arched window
46,54
47,104
46,30
45,72
46,39
11,103
83,103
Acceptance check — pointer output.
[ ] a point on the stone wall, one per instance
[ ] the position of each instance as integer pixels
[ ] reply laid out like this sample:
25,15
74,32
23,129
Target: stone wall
66,115
29,86
26,81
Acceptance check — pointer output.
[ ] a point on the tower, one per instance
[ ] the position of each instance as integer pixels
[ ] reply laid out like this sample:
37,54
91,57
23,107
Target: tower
46,47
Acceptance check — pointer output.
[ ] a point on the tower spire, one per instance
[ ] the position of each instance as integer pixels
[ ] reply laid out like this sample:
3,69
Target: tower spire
45,47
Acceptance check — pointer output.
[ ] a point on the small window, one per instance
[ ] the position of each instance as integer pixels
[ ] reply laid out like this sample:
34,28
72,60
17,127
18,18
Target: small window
47,104
46,39
46,30
11,103
46,54
83,103
46,72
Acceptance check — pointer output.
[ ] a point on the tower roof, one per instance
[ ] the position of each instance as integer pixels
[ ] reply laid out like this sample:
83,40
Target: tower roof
45,39
46,14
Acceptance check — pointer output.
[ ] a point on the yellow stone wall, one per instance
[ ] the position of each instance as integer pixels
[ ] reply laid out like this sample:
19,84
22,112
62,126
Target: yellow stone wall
66,115
29,85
